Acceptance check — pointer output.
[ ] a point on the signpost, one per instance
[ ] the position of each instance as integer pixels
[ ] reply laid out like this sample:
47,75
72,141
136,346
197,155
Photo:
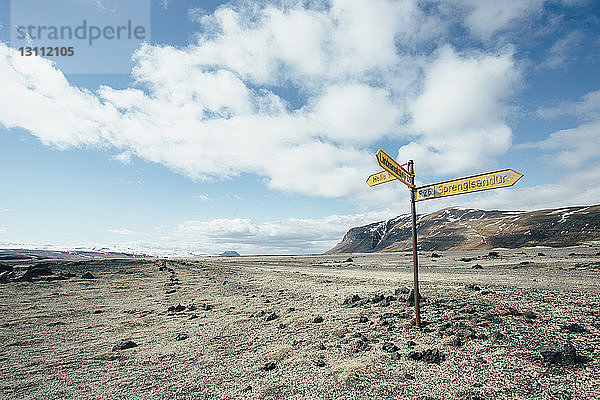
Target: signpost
475,183
397,170
379,178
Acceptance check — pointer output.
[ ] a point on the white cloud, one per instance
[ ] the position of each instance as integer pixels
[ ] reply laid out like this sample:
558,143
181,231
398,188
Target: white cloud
559,55
459,115
203,197
210,110
290,236
3,230
124,157
484,18
571,148
588,108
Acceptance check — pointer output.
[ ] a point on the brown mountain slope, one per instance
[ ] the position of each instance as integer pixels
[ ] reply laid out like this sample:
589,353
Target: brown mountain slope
460,228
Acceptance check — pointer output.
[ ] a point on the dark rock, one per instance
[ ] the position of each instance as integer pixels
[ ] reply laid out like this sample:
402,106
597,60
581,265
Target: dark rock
97,312
560,354
124,344
541,254
322,347
431,356
389,347
162,268
493,318
282,326
259,314
525,262
320,363
512,311
207,307
466,259
22,276
177,308
5,267
410,344
361,345
362,319
435,255
377,298
269,366
352,301
5,276
88,275
400,291
360,336
395,356
493,254
291,309
477,266
40,270
530,315
170,291
181,336
318,320
248,388
349,259
68,274
410,300
271,317
472,286
575,328
457,342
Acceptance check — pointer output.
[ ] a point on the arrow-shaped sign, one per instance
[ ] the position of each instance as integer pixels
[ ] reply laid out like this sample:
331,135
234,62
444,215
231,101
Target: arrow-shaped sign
395,169
379,178
475,183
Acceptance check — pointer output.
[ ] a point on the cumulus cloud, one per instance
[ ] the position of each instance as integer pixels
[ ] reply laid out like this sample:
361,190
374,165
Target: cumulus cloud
458,116
211,110
289,236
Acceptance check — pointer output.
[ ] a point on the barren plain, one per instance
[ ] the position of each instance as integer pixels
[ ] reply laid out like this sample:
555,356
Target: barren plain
507,324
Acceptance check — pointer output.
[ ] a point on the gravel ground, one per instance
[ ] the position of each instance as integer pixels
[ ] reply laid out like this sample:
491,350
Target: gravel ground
525,325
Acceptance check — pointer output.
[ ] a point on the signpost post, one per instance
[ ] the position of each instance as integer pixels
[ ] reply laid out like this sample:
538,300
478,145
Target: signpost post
475,183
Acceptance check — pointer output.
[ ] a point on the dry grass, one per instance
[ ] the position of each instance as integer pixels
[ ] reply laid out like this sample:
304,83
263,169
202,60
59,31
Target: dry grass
53,344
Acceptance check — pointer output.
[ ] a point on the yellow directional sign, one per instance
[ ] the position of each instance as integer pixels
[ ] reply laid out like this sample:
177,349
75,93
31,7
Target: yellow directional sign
395,169
489,180
379,178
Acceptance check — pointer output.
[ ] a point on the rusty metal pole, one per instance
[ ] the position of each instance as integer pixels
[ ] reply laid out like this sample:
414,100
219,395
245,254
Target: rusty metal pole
413,210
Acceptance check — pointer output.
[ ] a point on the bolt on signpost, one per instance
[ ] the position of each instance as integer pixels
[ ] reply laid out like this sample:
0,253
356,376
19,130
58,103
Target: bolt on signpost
475,183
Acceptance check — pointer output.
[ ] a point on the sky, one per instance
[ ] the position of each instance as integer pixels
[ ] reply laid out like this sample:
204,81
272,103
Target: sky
253,125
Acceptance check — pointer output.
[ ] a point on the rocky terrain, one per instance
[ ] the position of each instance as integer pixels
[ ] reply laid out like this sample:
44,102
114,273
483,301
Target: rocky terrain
464,229
500,324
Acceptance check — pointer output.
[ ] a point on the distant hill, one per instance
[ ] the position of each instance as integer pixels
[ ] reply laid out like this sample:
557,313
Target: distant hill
464,229
230,253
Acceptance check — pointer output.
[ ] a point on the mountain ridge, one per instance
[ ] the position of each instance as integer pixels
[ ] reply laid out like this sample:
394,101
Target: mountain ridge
456,228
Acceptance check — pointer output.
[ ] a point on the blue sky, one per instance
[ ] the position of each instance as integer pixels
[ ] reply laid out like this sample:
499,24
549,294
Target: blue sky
252,126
